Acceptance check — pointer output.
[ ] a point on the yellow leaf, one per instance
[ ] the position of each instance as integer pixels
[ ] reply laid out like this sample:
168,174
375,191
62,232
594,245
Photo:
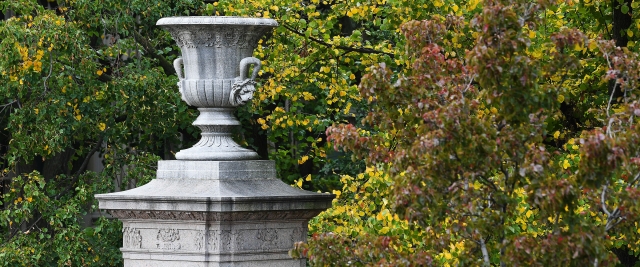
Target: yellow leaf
578,47
476,185
560,98
384,230
593,45
303,160
353,188
299,183
78,117
629,33
529,213
308,178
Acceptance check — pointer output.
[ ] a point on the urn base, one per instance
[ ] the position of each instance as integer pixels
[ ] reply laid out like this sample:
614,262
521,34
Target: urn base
217,153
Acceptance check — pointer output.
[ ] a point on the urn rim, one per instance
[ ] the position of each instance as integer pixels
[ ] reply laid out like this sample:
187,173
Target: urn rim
216,20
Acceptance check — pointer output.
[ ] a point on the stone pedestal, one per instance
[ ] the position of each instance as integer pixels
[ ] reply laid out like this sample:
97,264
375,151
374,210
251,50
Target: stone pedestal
216,205
213,213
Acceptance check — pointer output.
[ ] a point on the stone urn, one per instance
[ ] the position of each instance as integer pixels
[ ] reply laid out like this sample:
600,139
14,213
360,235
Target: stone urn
216,205
216,74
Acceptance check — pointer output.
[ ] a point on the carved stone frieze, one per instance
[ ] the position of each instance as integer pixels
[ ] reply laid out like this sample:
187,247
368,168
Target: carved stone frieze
268,238
226,238
214,216
131,238
227,37
167,239
297,235
213,240
199,240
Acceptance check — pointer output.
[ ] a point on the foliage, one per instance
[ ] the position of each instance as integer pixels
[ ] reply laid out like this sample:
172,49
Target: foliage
78,78
472,131
477,150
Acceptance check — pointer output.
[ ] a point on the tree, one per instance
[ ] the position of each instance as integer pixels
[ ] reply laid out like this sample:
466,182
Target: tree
80,77
486,165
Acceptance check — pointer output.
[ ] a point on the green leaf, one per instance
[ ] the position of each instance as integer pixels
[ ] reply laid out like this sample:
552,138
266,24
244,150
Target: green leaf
624,9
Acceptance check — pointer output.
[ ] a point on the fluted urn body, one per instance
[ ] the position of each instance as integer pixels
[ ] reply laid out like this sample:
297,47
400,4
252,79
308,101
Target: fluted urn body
216,74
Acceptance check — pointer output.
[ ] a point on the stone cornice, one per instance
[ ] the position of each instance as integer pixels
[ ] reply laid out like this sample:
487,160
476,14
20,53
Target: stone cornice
214,216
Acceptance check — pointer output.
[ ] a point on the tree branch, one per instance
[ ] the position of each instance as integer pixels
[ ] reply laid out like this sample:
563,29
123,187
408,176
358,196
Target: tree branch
76,176
602,201
346,48
82,168
485,253
167,67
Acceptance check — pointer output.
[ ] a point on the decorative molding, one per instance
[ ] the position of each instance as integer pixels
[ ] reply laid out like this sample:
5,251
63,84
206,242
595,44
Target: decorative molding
131,238
217,128
226,239
173,239
298,235
199,240
214,216
268,238
212,93
213,240
232,37
167,239
216,140
242,92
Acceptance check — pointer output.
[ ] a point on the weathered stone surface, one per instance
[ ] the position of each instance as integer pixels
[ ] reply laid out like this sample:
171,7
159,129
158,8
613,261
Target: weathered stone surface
216,205
213,213
216,187
214,76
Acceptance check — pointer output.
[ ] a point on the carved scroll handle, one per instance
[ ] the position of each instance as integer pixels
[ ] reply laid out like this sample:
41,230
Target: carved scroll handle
244,65
177,65
242,90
